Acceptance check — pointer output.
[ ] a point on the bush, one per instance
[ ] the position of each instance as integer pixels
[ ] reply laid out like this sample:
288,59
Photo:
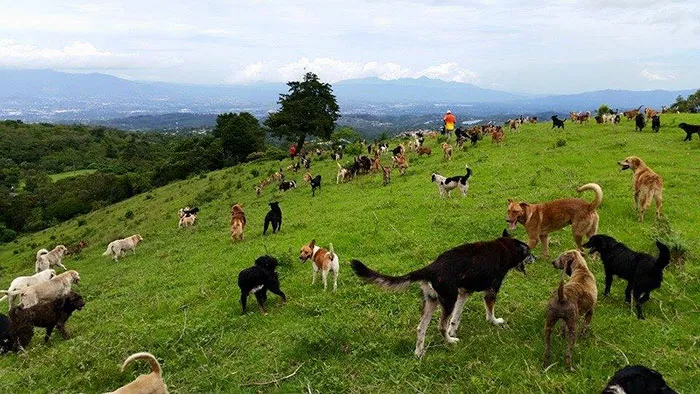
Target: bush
663,232
255,173
7,235
255,156
560,143
603,109
355,149
82,222
129,215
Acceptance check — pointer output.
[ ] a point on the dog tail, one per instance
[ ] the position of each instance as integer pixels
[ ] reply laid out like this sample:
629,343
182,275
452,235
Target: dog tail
155,365
40,253
108,251
387,282
469,173
664,256
598,194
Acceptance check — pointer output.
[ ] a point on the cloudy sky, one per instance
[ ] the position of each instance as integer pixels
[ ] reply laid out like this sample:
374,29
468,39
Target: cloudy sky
535,46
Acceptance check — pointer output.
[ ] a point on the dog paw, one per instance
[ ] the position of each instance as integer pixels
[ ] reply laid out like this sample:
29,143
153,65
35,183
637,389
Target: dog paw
450,339
497,321
419,353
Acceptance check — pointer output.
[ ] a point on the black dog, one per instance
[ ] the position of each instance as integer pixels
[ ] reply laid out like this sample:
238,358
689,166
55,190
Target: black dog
558,123
396,151
52,314
689,129
274,216
639,122
286,185
642,272
455,274
637,379
655,123
191,211
315,184
259,279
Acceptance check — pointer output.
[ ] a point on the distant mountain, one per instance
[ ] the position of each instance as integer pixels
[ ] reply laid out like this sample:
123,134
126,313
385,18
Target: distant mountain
622,99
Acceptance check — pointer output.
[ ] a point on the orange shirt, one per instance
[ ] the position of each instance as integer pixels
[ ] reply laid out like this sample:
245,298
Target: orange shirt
450,121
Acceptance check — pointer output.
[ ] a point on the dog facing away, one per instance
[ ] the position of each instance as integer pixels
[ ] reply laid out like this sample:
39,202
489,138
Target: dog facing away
637,379
452,277
119,247
25,281
50,315
46,259
315,184
572,300
446,185
642,272
321,260
689,129
188,216
647,185
274,217
655,123
258,279
386,175
342,173
145,384
541,219
58,286
238,222
639,122
446,151
558,123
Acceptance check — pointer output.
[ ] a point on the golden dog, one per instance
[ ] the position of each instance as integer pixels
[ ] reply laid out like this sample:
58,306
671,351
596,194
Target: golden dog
145,384
237,222
647,185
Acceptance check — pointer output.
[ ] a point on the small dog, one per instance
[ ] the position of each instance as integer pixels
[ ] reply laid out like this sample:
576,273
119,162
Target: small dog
26,281
376,164
541,219
187,216
238,222
342,173
323,260
572,300
424,150
274,216
647,185
398,150
446,185
56,287
287,185
497,136
307,177
642,272
401,163
119,247
77,248
50,315
639,122
46,259
558,123
386,172
452,277
689,129
315,184
637,379
446,151
145,384
655,123
258,279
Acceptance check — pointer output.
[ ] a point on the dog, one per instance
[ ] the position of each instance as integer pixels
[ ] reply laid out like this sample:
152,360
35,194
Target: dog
46,259
570,301
274,217
77,248
446,151
187,219
376,163
424,150
401,163
145,384
631,114
452,277
541,219
258,279
608,118
647,185
655,123
446,185
386,174
639,122
50,315
650,113
26,281
119,247
637,379
238,222
498,135
558,123
287,185
321,260
258,190
315,184
58,286
642,272
689,129
278,176
307,177
342,173
398,150
514,124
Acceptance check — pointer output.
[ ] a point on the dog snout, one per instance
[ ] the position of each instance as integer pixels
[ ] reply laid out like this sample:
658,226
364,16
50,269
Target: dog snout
530,259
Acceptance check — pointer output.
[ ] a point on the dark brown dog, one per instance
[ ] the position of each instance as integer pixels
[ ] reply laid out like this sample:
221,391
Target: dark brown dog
423,150
50,315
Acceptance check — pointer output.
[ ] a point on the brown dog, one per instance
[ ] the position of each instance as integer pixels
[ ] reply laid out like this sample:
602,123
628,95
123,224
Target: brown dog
541,219
647,185
237,222
401,163
145,384
387,175
571,300
446,151
321,260
424,150
376,164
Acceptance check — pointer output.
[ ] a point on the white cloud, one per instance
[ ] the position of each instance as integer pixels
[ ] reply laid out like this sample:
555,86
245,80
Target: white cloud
77,55
656,76
334,70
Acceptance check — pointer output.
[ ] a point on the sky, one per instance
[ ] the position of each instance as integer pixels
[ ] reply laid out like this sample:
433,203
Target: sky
530,46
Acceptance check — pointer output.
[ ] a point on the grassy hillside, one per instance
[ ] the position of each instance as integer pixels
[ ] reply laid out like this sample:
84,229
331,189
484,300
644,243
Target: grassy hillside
178,297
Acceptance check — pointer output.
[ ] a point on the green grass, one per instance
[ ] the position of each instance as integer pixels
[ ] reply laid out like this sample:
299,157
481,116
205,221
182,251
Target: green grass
178,298
70,174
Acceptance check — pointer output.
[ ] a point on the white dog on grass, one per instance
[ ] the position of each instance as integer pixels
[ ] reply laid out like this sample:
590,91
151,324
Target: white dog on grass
119,247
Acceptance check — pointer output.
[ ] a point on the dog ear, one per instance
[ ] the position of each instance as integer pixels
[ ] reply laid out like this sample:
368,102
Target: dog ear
313,243
505,233
524,204
510,201
636,161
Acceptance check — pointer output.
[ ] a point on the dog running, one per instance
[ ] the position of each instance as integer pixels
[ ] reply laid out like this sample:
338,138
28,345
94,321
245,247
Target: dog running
558,123
446,185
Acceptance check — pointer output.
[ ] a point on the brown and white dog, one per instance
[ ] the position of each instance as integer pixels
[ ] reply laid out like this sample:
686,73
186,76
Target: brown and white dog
46,259
401,163
570,301
541,219
145,384
119,247
58,286
237,222
446,151
342,174
647,185
321,260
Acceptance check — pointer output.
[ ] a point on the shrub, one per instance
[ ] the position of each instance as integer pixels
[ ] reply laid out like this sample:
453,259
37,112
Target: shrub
354,149
603,109
7,235
82,222
560,143
129,215
663,232
255,173
255,156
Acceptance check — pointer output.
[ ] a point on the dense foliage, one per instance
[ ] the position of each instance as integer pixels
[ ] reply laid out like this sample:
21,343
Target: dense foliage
690,105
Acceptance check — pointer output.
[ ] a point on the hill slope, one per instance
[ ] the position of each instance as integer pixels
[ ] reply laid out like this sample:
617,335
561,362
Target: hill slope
177,296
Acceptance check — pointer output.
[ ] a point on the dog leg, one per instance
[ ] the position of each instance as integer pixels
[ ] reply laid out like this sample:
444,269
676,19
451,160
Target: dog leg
548,326
62,329
275,289
639,301
49,330
447,302
457,313
659,202
324,275
587,323
628,292
335,280
489,302
313,278
429,305
608,283
261,296
62,266
244,300
572,338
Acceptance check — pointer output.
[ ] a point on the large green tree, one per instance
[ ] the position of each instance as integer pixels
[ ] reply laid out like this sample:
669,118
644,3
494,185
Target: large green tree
691,104
309,109
239,136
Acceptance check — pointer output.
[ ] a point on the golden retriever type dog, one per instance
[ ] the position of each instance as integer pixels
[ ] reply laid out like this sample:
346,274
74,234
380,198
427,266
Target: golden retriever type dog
647,185
119,247
58,286
25,281
46,259
401,163
541,219
572,300
446,151
237,222
145,384
322,260
497,136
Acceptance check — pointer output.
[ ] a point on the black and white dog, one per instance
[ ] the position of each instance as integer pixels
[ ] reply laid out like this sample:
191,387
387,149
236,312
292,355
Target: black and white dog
446,185
556,122
315,184
637,379
274,217
258,279
286,185
689,129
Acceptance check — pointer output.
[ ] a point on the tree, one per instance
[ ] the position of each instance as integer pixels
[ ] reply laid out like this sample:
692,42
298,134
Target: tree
239,135
309,109
345,133
603,109
691,104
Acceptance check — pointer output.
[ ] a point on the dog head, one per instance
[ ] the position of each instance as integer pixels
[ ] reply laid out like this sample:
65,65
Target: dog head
274,206
74,301
236,209
74,276
307,251
631,162
267,262
137,238
568,261
600,243
516,213
61,249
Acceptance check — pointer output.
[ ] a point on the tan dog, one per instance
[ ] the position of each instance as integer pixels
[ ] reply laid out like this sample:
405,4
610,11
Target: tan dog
647,185
307,177
119,247
386,174
26,281
342,173
145,384
401,163
47,291
446,151
322,260
187,220
572,300
237,222
541,219
424,150
497,136
376,164
46,259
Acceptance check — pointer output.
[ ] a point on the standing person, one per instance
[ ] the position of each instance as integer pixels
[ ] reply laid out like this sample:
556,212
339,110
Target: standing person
449,122
293,151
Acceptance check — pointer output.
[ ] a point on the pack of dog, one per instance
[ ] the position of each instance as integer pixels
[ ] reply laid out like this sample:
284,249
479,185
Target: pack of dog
446,185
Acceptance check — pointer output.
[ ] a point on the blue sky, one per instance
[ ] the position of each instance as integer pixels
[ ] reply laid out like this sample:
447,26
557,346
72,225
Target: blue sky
534,46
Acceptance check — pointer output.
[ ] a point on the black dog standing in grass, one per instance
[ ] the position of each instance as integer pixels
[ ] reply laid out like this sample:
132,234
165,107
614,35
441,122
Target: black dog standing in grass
689,129
558,123
315,184
655,123
274,216
639,122
258,279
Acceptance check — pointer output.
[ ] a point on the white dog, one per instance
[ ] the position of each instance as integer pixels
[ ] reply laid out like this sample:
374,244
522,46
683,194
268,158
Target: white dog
446,185
25,281
342,173
119,247
47,291
46,259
